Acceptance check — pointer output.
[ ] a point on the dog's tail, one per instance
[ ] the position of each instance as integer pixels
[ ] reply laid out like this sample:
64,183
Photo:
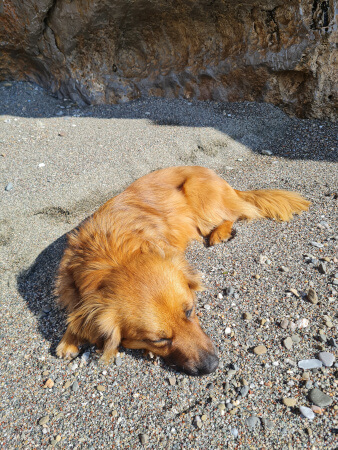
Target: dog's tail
275,204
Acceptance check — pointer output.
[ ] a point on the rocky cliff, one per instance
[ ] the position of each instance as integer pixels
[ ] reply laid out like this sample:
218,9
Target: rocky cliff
102,51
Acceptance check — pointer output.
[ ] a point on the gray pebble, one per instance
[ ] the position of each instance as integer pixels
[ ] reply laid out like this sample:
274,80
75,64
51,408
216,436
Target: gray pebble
322,337
284,324
319,398
309,364
252,421
118,361
229,291
332,342
317,244
295,338
307,412
229,405
284,269
309,384
144,438
172,381
244,391
44,420
75,386
247,316
267,423
234,432
288,343
9,187
46,309
312,296
197,422
322,268
326,358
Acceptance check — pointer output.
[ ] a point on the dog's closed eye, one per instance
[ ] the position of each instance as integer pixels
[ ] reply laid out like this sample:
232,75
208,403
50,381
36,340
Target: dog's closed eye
188,313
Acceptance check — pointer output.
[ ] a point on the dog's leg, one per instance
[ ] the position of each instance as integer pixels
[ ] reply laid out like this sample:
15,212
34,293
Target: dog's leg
111,345
221,233
69,345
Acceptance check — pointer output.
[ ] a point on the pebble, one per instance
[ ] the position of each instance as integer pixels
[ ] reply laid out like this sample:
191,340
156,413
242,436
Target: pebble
118,361
9,187
328,321
267,423
229,291
284,323
67,384
172,381
309,384
295,338
289,401
294,292
284,269
317,244
221,406
266,152
288,343
319,398
260,350
100,388
312,296
197,422
44,420
307,412
307,364
252,421
47,309
247,316
227,330
49,383
144,438
114,413
332,342
326,358
75,386
234,432
322,268
244,391
316,409
85,357
322,336
302,323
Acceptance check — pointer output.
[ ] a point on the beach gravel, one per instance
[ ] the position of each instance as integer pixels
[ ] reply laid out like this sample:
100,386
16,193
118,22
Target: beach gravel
58,163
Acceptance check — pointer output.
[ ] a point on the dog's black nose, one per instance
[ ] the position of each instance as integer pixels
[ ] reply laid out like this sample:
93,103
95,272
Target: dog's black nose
209,364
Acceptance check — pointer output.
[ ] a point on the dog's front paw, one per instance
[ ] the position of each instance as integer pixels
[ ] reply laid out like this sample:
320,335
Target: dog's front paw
67,351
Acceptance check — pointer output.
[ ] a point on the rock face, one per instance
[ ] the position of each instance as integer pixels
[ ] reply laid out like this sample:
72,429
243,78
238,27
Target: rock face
103,51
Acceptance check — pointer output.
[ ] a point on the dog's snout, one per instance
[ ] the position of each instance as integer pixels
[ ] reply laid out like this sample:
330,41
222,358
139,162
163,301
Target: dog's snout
209,363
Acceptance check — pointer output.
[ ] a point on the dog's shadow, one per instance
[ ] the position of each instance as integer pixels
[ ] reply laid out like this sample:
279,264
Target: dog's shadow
36,286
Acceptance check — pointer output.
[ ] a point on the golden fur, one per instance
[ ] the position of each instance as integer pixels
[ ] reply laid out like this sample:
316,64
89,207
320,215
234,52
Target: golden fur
123,278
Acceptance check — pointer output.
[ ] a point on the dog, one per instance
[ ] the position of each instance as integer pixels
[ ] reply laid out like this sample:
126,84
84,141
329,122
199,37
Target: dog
123,278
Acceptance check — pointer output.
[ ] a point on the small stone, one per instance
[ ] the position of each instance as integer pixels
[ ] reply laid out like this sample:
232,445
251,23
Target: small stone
307,364
266,152
247,316
118,361
227,330
302,323
58,438
172,381
317,244
75,386
322,268
326,358
267,423
252,421
294,292
49,383
67,384
295,338
322,336
204,418
234,432
144,438
260,350
229,291
332,343
309,384
85,357
47,309
197,422
319,398
288,343
316,409
312,296
9,187
221,406
284,324
328,321
59,416
100,388
290,402
44,420
284,269
114,413
244,391
306,376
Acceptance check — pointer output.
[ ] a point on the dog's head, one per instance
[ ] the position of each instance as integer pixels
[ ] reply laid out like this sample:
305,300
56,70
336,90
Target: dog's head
153,308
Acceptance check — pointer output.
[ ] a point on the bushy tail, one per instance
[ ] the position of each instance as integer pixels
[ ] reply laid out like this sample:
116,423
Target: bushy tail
275,204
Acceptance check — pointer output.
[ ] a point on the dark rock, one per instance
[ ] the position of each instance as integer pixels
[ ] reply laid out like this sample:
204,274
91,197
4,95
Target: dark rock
113,51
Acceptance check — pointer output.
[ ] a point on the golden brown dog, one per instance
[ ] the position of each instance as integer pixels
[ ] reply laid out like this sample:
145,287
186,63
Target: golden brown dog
124,279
